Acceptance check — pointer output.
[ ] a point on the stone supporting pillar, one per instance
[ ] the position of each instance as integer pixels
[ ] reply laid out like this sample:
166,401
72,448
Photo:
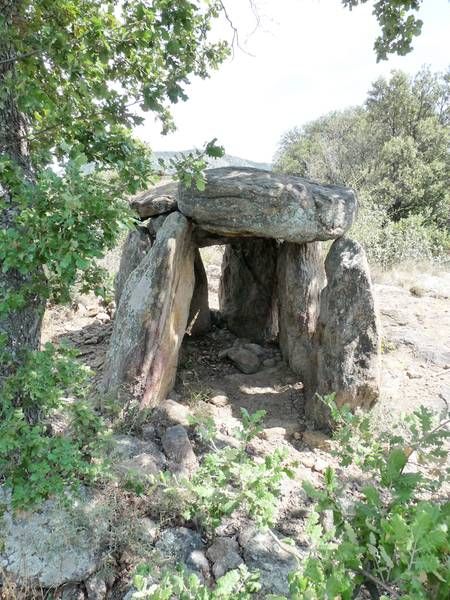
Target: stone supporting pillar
152,316
348,338
301,278
135,247
199,321
247,292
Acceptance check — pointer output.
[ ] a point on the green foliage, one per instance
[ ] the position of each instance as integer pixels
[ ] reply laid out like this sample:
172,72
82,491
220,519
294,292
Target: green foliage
394,152
74,80
410,173
409,240
76,72
333,149
393,539
238,584
68,53
66,223
33,462
230,479
398,23
190,167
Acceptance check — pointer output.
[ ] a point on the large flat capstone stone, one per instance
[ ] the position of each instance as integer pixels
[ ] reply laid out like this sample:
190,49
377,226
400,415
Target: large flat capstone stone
253,202
152,316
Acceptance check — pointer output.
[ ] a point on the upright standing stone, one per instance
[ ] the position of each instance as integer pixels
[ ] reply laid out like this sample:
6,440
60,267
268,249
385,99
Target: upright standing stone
199,321
247,292
135,247
152,316
348,360
301,278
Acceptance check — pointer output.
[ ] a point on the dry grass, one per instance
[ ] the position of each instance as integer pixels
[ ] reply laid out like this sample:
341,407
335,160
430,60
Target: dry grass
407,275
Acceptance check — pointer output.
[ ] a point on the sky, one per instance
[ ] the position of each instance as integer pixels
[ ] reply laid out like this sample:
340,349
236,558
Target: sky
306,58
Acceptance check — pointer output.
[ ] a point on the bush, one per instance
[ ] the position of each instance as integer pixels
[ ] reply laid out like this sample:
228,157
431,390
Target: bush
238,584
388,243
229,479
394,539
34,463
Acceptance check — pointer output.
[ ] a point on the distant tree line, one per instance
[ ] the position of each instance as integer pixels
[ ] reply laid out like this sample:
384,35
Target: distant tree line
393,150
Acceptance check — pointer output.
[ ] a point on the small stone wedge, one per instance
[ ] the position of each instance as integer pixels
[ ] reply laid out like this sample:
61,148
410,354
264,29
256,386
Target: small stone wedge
152,316
156,201
253,202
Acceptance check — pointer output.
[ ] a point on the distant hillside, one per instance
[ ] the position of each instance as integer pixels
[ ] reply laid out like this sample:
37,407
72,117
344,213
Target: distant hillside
225,161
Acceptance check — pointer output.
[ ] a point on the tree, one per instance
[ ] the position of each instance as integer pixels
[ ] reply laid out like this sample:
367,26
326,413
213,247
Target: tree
411,115
398,25
72,76
335,148
394,149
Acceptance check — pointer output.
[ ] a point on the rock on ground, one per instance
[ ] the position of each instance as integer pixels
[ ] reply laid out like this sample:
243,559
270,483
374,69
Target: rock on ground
274,564
133,457
255,203
178,449
348,333
247,291
53,545
224,554
96,588
180,545
170,413
152,316
245,360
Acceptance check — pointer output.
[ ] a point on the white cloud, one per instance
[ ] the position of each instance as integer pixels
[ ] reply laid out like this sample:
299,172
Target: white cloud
309,57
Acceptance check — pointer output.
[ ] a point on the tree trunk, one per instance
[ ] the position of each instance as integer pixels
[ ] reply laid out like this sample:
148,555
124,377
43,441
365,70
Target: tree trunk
22,327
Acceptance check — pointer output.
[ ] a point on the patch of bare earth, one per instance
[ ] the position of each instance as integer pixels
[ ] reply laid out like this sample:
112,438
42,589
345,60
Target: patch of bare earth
415,320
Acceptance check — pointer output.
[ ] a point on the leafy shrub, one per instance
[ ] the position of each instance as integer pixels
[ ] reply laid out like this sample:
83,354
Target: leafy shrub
394,539
67,222
388,243
230,479
238,584
34,463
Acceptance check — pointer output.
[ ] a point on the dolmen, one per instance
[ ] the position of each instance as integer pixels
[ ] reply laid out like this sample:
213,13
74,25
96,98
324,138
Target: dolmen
276,284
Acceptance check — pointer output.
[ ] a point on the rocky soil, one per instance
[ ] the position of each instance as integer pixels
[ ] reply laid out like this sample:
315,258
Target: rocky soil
219,374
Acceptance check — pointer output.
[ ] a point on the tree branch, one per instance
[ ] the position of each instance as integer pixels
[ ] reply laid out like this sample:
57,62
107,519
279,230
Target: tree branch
378,582
18,57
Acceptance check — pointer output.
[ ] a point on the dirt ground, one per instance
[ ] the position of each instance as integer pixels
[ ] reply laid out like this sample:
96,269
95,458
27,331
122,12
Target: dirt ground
415,319
414,310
